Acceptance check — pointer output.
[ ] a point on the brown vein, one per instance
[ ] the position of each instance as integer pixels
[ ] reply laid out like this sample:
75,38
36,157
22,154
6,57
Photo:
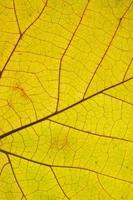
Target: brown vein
2,169
104,188
106,51
15,12
91,133
20,37
66,167
59,183
109,95
8,157
60,111
61,60
127,69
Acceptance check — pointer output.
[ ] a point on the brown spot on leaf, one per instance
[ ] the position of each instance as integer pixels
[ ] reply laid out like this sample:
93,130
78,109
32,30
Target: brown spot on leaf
19,89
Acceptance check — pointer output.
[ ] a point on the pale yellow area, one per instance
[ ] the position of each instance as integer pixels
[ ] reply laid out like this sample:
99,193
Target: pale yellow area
66,100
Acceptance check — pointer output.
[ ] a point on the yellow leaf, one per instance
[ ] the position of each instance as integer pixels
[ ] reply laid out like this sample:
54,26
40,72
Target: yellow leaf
66,99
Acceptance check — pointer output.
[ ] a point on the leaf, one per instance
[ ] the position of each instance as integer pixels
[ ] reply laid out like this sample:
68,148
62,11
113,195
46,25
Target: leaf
66,99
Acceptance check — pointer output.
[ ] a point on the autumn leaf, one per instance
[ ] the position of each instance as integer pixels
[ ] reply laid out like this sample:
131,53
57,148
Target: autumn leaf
66,99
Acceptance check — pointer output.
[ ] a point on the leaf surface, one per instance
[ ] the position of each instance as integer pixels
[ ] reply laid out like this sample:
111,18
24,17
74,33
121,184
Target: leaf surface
66,99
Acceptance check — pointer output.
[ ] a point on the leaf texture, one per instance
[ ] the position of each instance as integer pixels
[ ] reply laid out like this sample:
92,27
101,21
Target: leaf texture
66,100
